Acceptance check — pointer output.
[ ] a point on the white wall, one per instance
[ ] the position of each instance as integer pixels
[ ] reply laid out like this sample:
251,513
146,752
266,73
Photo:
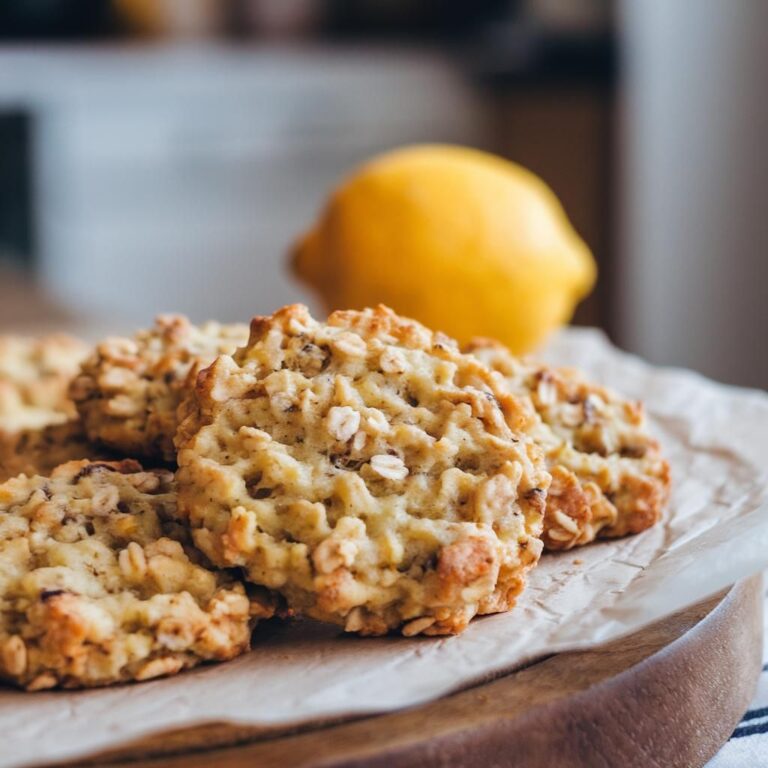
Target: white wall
695,185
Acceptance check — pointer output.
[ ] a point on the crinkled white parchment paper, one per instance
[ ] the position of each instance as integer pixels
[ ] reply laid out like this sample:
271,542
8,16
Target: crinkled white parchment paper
715,533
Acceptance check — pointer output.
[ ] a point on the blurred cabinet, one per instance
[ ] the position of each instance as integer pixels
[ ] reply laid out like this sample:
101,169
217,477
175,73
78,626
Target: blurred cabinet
564,134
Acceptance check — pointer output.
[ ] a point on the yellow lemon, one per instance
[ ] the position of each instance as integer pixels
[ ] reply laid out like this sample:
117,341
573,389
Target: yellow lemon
464,241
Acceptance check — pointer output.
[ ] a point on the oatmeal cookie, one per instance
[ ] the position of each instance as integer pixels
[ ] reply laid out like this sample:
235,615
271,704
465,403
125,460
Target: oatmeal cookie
129,388
608,475
39,451
366,470
34,376
93,591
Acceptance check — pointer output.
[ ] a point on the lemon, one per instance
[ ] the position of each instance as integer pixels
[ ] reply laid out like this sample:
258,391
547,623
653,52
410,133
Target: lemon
464,241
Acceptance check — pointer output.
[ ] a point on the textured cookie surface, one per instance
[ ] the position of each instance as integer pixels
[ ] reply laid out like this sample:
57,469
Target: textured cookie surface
129,388
39,451
93,591
365,469
34,377
608,475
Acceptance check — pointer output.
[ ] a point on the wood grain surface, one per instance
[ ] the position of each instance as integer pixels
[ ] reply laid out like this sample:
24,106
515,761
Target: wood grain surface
668,696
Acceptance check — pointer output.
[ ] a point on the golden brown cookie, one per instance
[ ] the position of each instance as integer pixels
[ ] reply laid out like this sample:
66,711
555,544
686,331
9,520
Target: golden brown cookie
34,377
608,475
129,388
39,451
93,590
375,483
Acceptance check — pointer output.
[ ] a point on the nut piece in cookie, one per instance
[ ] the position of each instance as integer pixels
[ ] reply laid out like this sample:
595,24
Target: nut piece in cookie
374,485
129,388
92,589
608,475
34,377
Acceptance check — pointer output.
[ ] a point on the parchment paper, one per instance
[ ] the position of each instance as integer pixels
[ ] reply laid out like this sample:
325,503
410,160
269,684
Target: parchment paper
715,533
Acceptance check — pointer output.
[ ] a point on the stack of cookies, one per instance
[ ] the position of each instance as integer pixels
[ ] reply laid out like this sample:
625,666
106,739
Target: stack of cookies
173,488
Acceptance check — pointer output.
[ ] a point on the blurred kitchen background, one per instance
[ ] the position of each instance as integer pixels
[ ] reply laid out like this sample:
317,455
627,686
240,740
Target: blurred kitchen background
162,154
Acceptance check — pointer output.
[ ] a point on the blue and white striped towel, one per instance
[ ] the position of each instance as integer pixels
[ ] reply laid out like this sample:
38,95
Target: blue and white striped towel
748,746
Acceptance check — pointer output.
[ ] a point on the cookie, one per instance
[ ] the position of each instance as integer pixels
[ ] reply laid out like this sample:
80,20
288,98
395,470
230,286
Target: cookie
129,388
609,478
374,484
39,451
34,377
93,591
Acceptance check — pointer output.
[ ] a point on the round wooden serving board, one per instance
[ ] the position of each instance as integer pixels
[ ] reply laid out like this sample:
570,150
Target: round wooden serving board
669,695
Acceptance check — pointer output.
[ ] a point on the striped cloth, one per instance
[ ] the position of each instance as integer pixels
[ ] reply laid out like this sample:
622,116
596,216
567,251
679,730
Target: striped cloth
748,745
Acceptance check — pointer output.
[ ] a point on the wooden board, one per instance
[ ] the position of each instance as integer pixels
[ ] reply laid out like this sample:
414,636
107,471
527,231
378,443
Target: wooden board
669,695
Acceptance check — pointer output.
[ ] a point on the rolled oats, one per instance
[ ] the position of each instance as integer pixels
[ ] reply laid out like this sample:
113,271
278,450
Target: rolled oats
608,475
34,378
99,594
389,467
343,422
359,504
128,390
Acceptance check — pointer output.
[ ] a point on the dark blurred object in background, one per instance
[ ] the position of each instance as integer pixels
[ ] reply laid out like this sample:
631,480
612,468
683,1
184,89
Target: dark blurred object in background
408,19
400,20
55,19
263,19
16,204
277,19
